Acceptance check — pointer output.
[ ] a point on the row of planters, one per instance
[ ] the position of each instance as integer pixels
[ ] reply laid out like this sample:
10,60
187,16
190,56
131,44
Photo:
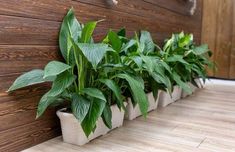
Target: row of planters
100,81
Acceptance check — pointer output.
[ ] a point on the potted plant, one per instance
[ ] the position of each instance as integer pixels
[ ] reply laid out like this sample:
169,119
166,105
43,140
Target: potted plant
141,57
87,81
173,53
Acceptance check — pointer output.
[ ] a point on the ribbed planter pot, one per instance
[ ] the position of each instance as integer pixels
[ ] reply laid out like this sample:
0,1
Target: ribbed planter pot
72,131
165,98
133,112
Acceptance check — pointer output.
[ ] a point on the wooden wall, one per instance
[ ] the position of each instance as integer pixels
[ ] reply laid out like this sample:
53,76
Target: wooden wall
218,30
29,39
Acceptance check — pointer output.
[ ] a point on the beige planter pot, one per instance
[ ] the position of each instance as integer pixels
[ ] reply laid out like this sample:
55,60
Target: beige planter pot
165,98
72,131
133,112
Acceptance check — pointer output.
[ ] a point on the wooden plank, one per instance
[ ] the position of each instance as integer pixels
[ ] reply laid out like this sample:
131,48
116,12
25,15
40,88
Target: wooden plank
224,37
209,25
232,55
18,59
18,138
21,110
45,32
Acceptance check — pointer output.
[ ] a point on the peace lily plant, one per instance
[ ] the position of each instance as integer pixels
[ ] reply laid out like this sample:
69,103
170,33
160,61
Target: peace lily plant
94,76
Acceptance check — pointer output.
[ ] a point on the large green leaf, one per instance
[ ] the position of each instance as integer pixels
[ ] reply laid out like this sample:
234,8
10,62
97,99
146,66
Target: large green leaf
27,79
80,106
128,45
115,41
55,68
96,109
94,92
185,40
183,85
137,91
62,82
116,90
93,52
107,116
87,31
44,102
201,49
176,58
70,27
146,42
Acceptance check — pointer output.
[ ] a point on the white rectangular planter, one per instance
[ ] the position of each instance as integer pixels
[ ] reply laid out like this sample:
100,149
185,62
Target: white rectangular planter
133,112
72,131
165,98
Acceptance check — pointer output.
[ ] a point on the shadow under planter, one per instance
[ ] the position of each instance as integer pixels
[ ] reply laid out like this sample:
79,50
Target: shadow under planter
73,133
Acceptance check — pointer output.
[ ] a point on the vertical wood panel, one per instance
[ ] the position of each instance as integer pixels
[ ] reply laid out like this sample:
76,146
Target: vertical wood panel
232,56
224,37
209,21
218,32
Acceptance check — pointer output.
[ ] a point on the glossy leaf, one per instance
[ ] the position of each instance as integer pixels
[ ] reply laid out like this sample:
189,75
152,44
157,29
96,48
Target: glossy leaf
146,42
44,102
87,31
93,92
70,27
183,85
55,68
116,90
62,82
95,111
107,116
28,79
137,92
93,52
80,106
115,41
201,49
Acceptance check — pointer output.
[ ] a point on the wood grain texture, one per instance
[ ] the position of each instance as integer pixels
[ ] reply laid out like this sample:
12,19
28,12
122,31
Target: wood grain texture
232,57
217,31
203,122
29,40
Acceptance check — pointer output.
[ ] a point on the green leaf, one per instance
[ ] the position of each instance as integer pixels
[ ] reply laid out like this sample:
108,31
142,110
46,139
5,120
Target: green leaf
116,90
107,116
70,27
93,52
87,31
183,85
115,41
137,91
184,41
80,106
146,42
176,58
27,79
62,82
122,32
93,92
96,109
44,102
55,68
201,49
128,45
